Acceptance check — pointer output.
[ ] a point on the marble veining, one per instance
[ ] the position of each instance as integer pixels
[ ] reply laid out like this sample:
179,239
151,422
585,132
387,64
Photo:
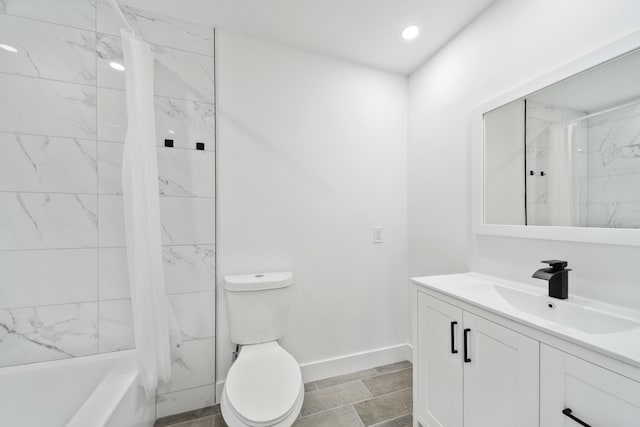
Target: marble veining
34,163
178,74
48,50
158,29
46,220
47,107
185,122
186,173
47,333
116,326
184,221
64,289
74,13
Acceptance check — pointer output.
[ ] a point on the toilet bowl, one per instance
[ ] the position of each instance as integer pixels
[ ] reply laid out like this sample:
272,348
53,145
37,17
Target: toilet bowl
264,386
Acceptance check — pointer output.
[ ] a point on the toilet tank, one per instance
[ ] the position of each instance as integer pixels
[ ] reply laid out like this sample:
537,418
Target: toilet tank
258,306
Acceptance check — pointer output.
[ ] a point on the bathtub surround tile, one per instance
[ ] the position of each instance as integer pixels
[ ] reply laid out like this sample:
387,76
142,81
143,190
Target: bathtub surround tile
195,314
47,107
47,164
333,397
113,276
115,324
344,416
614,214
183,173
187,220
185,122
178,74
47,220
158,29
615,188
185,400
188,268
195,367
61,217
184,221
390,382
385,407
36,278
48,51
37,334
73,13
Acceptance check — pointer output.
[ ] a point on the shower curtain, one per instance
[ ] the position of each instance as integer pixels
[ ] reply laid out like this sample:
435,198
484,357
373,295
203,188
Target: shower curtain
156,334
562,190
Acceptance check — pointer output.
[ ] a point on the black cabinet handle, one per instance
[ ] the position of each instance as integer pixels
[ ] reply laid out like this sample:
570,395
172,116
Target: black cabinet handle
568,413
466,345
453,344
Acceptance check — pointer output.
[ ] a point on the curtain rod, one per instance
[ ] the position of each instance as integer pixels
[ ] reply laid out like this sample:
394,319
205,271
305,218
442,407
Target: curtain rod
123,19
608,110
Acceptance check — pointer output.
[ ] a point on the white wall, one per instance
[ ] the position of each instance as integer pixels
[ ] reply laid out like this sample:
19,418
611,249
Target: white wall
510,44
312,156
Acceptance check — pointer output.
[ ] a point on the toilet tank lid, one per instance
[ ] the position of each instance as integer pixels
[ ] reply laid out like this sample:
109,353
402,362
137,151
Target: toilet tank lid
258,281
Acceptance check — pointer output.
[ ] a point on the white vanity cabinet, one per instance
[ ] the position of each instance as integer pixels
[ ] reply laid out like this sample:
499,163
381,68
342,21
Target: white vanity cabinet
595,395
472,372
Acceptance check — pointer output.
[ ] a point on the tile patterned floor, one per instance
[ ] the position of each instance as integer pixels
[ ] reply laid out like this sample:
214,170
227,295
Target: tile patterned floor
380,397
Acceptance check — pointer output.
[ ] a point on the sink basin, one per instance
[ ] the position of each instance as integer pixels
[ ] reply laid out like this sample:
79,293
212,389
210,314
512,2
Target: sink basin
567,313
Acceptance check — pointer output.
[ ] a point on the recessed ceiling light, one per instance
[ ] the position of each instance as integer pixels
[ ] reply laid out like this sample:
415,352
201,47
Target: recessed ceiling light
411,32
116,66
8,48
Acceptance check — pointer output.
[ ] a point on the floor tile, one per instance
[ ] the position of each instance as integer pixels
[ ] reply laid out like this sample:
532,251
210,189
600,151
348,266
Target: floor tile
404,421
172,420
387,383
385,407
344,416
310,386
340,379
333,397
393,367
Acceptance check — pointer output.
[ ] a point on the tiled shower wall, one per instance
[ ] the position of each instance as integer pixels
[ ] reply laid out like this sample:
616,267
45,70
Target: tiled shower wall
614,168
545,125
63,283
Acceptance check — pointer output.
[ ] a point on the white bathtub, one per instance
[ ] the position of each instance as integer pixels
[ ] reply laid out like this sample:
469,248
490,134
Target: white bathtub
92,391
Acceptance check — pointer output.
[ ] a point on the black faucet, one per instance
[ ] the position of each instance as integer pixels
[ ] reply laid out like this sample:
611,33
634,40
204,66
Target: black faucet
558,276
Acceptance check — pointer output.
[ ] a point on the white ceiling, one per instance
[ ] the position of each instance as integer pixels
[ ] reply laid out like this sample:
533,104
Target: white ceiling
364,31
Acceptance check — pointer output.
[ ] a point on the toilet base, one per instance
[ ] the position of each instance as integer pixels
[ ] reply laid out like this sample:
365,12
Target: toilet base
233,421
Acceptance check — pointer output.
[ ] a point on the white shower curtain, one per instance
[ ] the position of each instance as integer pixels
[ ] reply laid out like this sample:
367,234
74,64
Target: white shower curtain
156,333
562,191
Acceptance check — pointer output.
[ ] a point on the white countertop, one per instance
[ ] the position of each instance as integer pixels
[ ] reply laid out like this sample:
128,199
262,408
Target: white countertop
480,290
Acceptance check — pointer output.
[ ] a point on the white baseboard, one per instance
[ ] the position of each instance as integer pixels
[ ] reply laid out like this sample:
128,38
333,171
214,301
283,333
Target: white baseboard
326,368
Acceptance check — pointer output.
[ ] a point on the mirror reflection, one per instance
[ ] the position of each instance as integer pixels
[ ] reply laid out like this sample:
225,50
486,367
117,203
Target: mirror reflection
568,155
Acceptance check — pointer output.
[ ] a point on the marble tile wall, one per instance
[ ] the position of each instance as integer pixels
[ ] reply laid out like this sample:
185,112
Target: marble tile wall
64,288
545,125
614,169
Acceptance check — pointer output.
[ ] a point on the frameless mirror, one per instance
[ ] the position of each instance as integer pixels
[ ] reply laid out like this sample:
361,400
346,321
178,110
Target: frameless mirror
568,155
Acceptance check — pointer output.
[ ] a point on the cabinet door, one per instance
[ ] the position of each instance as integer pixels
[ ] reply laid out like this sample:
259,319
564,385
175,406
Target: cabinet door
501,379
594,394
438,395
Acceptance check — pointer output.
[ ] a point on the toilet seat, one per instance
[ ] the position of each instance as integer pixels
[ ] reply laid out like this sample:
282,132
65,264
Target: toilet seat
263,388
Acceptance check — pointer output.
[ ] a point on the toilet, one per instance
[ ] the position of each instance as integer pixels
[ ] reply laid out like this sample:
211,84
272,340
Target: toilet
264,386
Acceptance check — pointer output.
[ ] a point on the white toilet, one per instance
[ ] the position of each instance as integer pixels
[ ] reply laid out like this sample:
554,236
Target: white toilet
264,386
